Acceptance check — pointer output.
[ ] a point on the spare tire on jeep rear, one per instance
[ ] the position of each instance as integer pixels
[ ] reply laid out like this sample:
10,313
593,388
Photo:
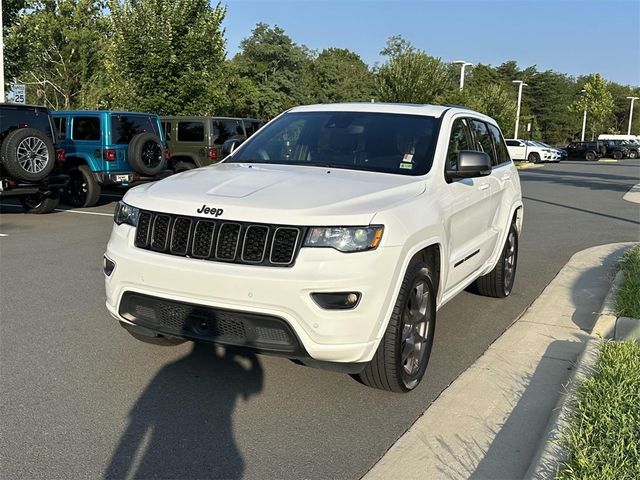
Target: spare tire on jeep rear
28,154
146,154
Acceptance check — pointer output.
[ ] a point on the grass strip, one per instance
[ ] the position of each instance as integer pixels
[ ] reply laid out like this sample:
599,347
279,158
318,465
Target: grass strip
628,295
602,440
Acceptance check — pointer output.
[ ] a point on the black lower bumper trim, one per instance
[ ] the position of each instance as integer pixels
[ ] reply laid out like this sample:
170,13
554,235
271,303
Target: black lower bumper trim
264,333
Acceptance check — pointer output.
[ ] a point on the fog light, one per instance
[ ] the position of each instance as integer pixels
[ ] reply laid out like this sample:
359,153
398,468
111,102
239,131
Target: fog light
337,300
107,266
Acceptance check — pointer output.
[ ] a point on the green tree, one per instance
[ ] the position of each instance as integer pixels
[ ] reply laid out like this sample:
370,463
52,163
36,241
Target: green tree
410,75
166,56
58,49
340,75
278,69
599,104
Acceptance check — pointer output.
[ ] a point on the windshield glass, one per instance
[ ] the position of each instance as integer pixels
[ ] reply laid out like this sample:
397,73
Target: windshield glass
377,142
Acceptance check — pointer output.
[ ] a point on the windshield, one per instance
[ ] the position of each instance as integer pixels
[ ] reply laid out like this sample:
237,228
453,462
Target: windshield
377,142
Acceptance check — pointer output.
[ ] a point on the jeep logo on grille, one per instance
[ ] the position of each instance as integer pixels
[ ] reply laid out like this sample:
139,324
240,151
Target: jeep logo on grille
216,212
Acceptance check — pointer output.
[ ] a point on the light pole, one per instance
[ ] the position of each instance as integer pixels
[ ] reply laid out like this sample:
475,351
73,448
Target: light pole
584,117
520,85
462,64
1,56
631,113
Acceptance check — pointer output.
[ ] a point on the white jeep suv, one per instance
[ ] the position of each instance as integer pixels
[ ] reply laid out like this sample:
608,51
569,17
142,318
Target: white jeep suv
331,236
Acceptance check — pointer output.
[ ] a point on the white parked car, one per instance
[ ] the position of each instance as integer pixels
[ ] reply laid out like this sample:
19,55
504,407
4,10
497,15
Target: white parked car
333,235
529,151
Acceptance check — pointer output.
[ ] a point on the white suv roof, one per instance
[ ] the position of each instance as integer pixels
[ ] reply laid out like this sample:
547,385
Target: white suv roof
406,108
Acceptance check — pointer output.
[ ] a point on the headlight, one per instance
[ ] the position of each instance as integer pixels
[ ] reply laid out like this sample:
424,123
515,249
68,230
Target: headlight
345,239
126,214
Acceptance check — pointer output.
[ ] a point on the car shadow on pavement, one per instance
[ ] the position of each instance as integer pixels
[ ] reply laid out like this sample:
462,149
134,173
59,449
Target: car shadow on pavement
181,426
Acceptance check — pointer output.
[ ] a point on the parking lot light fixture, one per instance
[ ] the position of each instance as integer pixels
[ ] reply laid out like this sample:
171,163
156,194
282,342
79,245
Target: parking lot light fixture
520,85
633,99
462,64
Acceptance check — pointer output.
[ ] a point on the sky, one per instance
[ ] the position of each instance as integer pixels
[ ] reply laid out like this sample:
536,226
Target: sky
573,37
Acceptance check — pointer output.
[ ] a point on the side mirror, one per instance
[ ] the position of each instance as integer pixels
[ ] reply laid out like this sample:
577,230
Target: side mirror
471,164
229,146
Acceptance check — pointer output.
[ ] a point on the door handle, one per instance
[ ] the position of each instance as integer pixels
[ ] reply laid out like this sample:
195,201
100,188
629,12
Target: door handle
484,186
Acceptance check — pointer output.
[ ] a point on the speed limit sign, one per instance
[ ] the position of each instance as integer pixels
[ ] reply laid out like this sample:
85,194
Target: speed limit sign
17,94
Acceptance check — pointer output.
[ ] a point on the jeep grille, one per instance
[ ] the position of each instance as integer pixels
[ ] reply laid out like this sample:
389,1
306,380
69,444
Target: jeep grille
218,240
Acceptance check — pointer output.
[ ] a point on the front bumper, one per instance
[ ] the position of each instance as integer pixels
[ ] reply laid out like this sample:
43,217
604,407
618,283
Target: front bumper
348,336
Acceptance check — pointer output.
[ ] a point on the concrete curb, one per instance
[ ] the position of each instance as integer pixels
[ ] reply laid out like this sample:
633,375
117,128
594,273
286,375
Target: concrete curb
546,461
605,325
633,195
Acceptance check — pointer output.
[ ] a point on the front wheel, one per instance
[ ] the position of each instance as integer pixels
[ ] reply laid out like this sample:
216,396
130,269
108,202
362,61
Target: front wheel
39,203
633,154
590,156
618,155
499,282
402,356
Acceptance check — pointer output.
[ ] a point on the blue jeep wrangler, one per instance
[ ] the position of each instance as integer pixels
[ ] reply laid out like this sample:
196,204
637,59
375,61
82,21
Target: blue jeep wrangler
109,148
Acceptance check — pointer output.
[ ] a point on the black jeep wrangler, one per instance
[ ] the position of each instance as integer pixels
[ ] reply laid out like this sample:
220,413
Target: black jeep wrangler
28,156
613,149
589,151
633,148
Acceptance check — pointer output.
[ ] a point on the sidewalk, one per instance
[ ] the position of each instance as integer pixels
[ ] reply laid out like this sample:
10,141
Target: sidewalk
490,421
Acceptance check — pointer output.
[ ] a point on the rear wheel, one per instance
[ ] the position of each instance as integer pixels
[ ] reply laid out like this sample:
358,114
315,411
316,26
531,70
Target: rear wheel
618,155
39,203
83,190
499,282
633,154
534,157
403,354
183,167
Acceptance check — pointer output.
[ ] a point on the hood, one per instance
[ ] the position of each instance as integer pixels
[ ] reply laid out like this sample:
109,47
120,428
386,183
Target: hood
281,194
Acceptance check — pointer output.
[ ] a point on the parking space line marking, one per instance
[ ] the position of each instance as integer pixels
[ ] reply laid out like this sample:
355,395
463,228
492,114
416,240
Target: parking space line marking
3,235
68,210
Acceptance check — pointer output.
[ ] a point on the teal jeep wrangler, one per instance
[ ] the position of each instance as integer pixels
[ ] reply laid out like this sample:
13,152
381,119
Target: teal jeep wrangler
109,148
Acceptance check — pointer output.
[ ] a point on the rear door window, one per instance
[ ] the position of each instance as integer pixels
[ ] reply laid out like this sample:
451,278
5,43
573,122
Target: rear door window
86,128
502,154
125,127
190,131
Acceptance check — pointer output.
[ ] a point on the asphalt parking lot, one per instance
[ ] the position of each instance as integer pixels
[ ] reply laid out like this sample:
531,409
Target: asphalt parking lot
80,398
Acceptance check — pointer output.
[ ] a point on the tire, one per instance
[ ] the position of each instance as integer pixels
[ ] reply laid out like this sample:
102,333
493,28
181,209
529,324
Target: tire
183,167
590,156
83,190
534,157
39,203
28,155
392,369
146,154
499,282
633,154
618,155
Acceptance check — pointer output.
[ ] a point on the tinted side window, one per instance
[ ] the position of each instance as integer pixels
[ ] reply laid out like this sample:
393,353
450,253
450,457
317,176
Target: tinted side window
125,127
166,128
513,143
482,138
226,129
460,139
252,126
12,118
61,126
502,155
190,131
86,128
